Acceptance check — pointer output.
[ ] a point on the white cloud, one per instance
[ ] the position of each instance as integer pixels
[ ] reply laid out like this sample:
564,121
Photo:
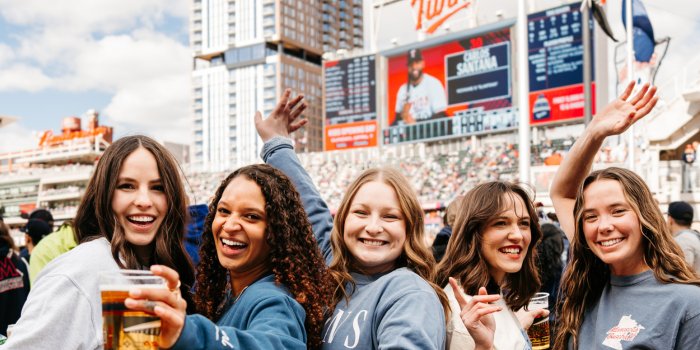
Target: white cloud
160,106
24,78
6,54
15,137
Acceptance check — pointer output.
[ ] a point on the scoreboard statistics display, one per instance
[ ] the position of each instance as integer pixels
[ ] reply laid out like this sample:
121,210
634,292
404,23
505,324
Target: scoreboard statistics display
555,58
350,103
453,89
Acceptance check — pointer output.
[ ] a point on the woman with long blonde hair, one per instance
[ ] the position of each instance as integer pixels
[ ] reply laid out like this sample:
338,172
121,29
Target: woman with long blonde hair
384,296
627,285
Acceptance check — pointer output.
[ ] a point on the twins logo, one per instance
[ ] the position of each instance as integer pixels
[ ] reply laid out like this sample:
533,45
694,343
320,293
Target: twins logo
627,329
341,317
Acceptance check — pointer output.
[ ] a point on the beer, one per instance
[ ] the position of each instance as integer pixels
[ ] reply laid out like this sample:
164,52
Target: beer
539,331
124,328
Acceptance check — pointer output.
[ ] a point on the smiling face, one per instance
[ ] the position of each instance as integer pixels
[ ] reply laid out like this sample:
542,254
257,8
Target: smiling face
375,229
612,228
239,229
139,202
506,238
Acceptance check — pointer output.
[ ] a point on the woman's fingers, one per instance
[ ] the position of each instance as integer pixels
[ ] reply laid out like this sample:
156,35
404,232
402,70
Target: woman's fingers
170,275
640,94
294,102
457,290
644,111
161,295
282,104
628,91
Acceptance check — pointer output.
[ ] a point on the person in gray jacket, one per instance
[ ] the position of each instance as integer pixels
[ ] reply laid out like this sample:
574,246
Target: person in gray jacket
385,297
680,217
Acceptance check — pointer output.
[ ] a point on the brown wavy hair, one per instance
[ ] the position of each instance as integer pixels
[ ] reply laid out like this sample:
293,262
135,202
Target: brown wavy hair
95,218
587,275
463,258
295,258
416,255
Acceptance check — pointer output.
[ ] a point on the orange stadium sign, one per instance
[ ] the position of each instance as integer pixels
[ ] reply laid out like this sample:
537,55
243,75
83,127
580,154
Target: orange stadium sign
47,138
431,14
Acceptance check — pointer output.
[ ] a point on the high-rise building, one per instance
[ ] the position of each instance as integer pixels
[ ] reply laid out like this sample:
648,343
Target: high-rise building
245,53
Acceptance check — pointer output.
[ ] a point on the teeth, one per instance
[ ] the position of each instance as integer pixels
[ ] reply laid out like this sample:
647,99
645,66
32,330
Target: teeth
372,242
232,243
511,250
141,218
610,242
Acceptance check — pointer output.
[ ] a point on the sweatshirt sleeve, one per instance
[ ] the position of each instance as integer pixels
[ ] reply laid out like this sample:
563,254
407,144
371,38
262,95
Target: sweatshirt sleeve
688,334
415,320
279,153
56,315
276,323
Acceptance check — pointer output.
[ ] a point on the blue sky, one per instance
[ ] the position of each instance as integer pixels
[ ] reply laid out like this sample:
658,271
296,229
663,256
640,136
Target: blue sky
127,59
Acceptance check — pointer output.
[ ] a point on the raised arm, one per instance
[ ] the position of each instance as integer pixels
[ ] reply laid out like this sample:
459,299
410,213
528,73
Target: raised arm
614,119
278,151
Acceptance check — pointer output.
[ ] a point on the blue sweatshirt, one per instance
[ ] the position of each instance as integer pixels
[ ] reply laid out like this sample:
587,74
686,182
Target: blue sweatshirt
265,316
395,310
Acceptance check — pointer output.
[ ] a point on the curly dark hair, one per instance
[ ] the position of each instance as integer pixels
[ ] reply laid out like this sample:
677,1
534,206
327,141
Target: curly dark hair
295,258
549,252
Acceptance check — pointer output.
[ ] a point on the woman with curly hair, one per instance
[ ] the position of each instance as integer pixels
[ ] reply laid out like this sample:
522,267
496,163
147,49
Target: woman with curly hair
384,296
261,275
491,256
627,284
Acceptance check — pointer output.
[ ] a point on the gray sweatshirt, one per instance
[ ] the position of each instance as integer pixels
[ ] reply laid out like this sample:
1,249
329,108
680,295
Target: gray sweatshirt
639,312
64,309
396,310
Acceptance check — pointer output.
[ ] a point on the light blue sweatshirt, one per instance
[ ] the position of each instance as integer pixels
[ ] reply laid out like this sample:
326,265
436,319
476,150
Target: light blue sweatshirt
395,310
265,316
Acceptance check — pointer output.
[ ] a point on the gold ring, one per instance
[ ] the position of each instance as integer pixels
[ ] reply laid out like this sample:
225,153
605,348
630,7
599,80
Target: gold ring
150,305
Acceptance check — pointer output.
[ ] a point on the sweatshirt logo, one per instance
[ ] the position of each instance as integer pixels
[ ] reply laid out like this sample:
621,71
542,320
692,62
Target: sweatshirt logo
349,338
626,330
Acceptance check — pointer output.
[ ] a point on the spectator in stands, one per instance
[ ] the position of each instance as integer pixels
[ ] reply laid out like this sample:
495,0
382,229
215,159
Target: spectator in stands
680,218
491,256
688,158
52,246
34,232
443,237
384,295
627,284
132,215
41,214
14,280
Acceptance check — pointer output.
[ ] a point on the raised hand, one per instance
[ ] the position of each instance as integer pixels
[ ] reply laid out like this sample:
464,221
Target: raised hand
164,303
283,119
620,114
476,315
526,318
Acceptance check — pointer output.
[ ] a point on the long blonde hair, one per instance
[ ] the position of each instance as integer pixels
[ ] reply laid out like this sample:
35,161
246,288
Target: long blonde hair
586,275
416,256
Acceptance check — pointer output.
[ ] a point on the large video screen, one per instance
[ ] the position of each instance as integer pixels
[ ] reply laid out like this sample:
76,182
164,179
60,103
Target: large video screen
349,103
448,90
556,65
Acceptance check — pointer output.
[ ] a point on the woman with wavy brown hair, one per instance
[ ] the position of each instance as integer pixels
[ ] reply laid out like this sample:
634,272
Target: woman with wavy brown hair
492,250
261,276
133,215
627,284
384,295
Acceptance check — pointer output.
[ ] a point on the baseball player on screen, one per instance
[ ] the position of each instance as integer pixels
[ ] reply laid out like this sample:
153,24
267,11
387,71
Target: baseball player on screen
422,97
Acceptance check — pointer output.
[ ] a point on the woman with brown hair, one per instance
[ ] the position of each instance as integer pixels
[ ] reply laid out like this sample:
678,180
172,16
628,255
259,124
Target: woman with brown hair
261,277
384,296
133,215
627,284
491,254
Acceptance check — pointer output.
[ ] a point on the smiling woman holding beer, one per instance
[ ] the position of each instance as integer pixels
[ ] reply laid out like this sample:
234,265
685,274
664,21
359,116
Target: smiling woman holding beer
627,284
132,215
261,278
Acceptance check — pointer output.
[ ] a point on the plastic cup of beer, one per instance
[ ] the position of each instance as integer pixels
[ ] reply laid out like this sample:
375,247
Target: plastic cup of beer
124,328
539,331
